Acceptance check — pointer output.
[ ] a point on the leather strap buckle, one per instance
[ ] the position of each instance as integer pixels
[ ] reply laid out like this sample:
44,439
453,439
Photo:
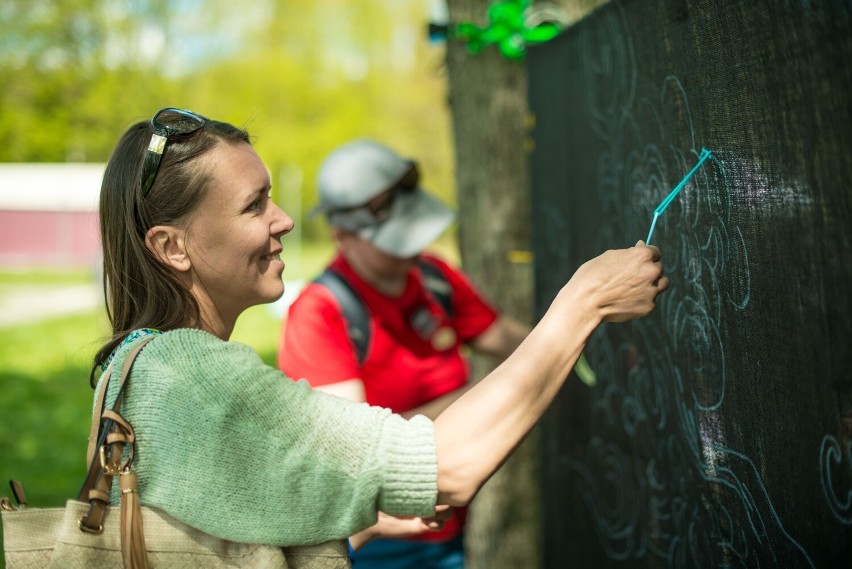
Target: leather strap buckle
83,527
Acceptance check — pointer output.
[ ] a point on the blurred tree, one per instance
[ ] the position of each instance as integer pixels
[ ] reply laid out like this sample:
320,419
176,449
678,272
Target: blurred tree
38,70
324,72
491,134
488,106
68,67
302,75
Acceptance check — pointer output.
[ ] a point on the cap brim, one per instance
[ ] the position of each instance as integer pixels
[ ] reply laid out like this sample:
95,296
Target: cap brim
406,179
416,220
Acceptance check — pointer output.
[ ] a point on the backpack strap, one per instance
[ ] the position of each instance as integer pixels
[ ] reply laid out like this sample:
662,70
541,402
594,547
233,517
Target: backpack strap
354,311
357,316
437,284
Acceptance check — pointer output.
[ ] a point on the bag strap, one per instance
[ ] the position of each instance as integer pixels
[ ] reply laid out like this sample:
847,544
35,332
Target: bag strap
114,433
355,312
437,284
98,430
96,419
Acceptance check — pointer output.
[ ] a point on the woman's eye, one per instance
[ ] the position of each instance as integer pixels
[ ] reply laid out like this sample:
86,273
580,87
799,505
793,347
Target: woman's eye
260,203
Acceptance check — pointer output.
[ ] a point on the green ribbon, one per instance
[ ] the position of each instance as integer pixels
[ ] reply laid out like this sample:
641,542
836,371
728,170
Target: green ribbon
506,29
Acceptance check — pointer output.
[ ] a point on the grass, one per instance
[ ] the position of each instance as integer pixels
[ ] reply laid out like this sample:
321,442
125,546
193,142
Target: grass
39,277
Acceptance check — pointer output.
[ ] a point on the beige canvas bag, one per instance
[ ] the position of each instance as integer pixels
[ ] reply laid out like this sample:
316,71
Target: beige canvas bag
88,532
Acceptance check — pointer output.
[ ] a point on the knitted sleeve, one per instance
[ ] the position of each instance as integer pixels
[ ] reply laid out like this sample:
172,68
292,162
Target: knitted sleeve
234,448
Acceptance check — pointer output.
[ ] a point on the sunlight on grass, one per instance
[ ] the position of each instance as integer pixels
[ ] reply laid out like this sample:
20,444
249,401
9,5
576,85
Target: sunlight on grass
42,349
46,405
29,277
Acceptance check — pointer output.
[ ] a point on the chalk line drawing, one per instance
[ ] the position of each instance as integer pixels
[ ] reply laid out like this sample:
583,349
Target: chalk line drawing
832,456
664,482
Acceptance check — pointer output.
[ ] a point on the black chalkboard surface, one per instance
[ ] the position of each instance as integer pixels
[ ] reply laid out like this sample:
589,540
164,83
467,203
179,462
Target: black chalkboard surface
717,432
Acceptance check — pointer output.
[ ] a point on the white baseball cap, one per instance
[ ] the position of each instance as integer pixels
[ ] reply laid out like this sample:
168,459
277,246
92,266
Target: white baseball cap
361,170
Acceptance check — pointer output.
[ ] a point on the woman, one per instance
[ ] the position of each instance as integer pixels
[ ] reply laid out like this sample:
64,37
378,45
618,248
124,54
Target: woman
225,444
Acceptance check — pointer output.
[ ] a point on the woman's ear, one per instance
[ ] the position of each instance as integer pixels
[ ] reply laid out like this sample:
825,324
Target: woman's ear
168,245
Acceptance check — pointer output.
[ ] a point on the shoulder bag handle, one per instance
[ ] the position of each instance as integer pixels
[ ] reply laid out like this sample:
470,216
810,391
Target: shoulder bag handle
109,434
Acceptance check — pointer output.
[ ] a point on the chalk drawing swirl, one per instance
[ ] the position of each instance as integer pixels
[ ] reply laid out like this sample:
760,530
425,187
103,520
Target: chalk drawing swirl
658,477
831,455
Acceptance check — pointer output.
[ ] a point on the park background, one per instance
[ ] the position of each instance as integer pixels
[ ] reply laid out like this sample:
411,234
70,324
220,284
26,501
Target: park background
302,76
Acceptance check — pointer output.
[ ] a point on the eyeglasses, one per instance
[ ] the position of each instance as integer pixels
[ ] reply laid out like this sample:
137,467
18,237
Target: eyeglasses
379,208
167,123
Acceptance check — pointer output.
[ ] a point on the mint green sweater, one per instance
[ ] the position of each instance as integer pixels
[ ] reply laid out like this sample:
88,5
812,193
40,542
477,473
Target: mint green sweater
234,448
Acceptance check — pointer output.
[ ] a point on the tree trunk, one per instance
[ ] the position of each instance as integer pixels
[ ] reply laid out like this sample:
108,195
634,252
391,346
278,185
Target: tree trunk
488,105
492,139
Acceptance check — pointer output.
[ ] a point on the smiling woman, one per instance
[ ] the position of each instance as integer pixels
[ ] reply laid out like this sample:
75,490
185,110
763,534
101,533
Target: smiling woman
183,259
224,274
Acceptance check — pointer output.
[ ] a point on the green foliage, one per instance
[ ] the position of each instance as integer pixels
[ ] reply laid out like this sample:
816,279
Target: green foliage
507,29
303,76
44,276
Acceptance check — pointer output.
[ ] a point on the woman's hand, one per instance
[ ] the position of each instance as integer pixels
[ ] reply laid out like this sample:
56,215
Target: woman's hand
622,284
398,527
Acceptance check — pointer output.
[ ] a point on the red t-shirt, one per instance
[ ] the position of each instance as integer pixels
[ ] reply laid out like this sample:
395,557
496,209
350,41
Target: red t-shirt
403,369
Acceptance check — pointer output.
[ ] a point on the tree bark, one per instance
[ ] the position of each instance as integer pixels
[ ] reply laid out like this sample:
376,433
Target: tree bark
492,139
488,106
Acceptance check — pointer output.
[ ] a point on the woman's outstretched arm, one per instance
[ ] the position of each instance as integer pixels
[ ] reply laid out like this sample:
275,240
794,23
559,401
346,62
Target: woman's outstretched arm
478,431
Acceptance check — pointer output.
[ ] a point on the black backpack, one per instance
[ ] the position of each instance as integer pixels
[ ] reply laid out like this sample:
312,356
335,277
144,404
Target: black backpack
358,317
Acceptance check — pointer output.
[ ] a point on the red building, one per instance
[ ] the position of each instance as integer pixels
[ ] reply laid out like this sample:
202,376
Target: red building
48,215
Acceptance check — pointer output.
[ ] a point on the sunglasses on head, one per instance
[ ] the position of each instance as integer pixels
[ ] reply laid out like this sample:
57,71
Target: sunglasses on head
167,123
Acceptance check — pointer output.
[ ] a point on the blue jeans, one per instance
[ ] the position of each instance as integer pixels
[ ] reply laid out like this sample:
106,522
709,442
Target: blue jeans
406,554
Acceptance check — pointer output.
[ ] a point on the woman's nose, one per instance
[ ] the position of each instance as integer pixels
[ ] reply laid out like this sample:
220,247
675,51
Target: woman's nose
282,223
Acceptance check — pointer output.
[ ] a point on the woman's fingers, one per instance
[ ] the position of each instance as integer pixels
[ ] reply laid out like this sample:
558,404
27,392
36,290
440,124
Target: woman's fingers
656,254
630,281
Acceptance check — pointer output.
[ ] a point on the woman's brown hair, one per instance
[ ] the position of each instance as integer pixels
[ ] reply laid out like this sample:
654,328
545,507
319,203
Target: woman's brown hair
140,292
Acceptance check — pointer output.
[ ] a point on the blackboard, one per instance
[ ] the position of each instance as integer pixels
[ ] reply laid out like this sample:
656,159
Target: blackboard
716,432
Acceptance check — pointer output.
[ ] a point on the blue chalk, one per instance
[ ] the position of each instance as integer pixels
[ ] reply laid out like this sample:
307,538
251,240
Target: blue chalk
705,154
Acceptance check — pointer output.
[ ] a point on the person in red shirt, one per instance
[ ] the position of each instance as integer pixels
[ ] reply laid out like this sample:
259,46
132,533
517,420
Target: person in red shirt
412,359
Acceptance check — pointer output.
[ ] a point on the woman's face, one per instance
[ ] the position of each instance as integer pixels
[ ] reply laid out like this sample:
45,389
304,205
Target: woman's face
234,235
